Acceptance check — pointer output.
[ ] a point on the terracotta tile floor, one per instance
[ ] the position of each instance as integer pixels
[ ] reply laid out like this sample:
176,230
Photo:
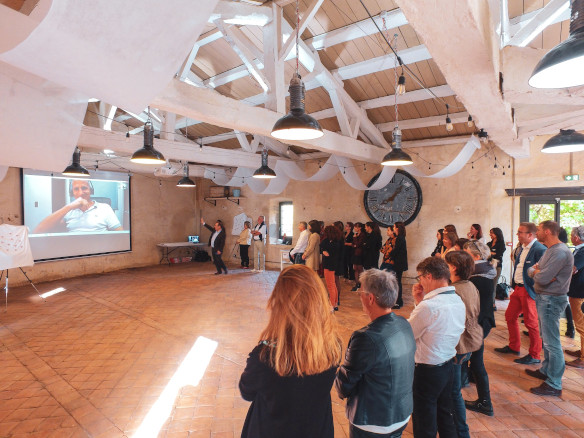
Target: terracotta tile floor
91,361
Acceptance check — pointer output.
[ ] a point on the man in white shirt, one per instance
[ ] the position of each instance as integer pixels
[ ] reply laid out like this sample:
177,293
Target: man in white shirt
298,250
259,242
83,214
437,321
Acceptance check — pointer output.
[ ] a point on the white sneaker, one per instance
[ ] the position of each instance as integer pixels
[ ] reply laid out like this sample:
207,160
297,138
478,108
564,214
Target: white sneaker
254,270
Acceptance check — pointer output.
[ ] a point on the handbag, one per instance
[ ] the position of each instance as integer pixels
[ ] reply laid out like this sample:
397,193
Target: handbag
502,291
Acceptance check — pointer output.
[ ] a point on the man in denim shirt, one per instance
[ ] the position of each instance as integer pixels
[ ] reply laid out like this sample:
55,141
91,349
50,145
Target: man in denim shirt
551,275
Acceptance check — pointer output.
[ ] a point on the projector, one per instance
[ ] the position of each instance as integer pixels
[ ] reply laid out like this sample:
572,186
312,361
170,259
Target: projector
165,171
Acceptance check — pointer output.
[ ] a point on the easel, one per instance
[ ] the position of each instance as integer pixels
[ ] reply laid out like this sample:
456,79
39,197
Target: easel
6,287
15,252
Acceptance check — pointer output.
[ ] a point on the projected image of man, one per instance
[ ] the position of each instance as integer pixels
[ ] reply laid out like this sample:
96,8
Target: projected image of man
83,214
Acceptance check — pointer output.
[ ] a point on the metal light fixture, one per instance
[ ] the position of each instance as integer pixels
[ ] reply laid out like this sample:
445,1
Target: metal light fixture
185,181
75,168
483,136
449,125
562,66
567,140
297,125
264,172
401,84
470,122
397,157
147,154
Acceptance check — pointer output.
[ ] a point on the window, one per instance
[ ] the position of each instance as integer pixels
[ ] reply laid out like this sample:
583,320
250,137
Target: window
568,211
286,220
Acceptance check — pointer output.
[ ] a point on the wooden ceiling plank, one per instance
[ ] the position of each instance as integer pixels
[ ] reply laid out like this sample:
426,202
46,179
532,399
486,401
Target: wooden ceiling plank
538,22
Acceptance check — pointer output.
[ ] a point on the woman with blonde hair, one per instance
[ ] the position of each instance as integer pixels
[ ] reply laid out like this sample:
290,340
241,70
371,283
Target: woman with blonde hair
289,374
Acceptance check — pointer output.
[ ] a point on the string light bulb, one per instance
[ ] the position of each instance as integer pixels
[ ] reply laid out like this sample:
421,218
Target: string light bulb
470,121
449,125
401,84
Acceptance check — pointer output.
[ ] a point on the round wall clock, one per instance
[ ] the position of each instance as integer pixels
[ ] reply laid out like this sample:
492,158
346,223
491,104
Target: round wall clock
399,201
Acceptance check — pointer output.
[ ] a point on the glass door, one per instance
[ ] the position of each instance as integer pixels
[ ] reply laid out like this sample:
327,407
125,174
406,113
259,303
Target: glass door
568,211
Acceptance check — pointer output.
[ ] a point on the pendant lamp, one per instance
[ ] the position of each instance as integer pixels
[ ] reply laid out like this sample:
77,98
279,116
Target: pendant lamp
297,125
75,168
185,181
397,157
567,140
147,154
483,136
264,172
562,66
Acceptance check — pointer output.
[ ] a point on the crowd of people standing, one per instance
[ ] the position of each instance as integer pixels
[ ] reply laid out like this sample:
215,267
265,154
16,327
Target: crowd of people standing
347,250
396,369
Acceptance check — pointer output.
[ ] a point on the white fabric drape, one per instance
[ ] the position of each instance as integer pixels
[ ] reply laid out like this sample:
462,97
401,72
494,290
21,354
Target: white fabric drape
456,165
287,170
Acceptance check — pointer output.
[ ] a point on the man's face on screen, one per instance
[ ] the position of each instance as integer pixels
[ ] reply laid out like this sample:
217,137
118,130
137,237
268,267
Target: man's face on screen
81,189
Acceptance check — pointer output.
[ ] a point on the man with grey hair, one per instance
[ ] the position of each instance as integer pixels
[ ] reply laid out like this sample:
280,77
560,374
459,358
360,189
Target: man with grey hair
551,276
301,243
576,294
378,372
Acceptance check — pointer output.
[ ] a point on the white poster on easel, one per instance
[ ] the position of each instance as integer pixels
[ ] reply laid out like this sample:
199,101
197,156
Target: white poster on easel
238,222
15,249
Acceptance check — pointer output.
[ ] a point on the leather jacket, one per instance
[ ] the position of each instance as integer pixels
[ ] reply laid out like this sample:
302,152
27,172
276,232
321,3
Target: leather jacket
378,372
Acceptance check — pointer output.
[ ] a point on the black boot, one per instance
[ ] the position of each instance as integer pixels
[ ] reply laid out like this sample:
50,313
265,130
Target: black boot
484,407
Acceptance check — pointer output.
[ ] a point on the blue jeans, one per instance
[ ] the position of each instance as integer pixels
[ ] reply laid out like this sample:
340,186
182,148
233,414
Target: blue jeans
549,310
459,409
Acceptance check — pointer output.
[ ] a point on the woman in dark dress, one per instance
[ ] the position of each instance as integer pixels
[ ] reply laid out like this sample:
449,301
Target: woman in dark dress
348,272
438,250
497,248
289,374
371,246
358,240
331,248
399,257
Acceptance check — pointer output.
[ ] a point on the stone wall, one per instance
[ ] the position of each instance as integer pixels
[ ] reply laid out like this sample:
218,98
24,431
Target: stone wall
161,212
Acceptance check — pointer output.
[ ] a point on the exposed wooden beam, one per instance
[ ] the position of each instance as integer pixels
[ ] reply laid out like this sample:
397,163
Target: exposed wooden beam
306,19
244,52
211,107
381,63
442,141
425,122
393,19
175,150
467,61
241,14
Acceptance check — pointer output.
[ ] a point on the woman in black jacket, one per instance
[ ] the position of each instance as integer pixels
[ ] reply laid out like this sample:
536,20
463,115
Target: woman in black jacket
289,374
399,256
330,248
482,278
371,246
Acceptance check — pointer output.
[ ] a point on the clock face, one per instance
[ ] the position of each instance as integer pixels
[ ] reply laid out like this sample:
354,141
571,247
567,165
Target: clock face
399,201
